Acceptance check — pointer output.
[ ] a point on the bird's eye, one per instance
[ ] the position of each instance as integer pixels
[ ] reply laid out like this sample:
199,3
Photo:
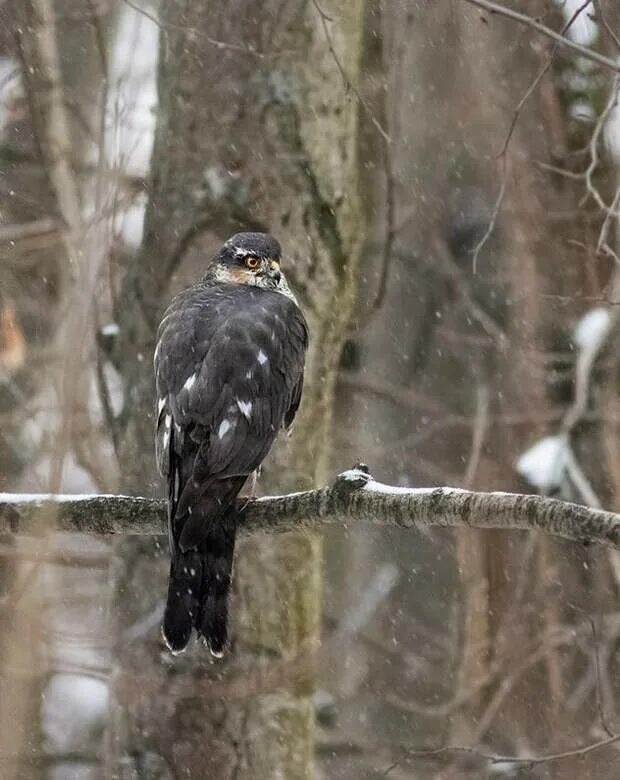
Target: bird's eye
252,262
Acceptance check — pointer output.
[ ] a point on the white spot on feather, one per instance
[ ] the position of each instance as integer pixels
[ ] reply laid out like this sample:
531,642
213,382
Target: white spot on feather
190,382
248,374
160,405
261,357
223,429
166,436
245,407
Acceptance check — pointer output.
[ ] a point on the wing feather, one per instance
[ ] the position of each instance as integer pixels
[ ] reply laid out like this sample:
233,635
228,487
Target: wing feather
229,370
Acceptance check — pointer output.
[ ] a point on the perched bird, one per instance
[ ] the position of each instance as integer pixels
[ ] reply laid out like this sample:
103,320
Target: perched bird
229,366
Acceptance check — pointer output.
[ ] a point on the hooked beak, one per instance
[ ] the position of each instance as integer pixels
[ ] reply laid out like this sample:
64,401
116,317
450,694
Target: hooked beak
271,269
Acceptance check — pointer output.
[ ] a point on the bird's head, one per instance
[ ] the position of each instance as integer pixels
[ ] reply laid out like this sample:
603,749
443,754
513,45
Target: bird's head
253,259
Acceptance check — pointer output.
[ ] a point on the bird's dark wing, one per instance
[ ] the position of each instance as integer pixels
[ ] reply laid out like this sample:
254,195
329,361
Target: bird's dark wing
229,368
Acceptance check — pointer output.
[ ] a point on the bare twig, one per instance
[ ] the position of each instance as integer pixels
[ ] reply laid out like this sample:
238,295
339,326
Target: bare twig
602,245
593,147
540,75
347,81
196,33
497,759
605,24
528,21
477,313
37,227
503,155
495,212
599,690
570,299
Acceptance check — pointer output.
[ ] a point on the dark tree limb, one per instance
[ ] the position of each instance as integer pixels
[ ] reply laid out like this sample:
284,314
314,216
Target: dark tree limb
353,497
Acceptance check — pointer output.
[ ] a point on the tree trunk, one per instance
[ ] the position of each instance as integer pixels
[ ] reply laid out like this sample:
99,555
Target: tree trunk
257,129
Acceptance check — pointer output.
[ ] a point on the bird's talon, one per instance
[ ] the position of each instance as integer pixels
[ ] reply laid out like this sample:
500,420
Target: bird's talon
354,478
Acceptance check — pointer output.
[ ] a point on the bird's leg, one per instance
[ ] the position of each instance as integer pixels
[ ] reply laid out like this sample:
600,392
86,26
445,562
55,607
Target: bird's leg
253,481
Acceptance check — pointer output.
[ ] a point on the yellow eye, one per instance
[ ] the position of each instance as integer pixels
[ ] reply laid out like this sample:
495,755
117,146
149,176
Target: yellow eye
252,262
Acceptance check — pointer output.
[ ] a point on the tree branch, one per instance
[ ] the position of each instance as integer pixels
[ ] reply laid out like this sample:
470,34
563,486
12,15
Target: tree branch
590,54
353,496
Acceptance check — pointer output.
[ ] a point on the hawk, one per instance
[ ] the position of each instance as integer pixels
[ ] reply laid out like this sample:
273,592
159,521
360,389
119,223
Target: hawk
229,369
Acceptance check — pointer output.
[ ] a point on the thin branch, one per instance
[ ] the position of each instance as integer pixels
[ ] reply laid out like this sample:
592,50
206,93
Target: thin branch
9,234
611,211
593,146
347,81
606,26
599,688
528,21
496,759
353,496
602,245
476,312
503,155
528,92
494,214
196,33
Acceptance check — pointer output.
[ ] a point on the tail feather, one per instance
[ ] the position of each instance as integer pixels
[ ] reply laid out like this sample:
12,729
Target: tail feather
200,576
183,604
212,624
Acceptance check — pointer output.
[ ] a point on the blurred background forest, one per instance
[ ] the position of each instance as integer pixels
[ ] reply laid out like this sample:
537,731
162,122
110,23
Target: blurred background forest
445,185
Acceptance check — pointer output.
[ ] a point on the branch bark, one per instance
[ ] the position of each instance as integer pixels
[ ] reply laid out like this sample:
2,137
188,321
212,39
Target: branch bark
353,496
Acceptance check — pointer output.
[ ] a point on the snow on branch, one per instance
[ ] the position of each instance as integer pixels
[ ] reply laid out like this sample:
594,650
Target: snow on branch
354,496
